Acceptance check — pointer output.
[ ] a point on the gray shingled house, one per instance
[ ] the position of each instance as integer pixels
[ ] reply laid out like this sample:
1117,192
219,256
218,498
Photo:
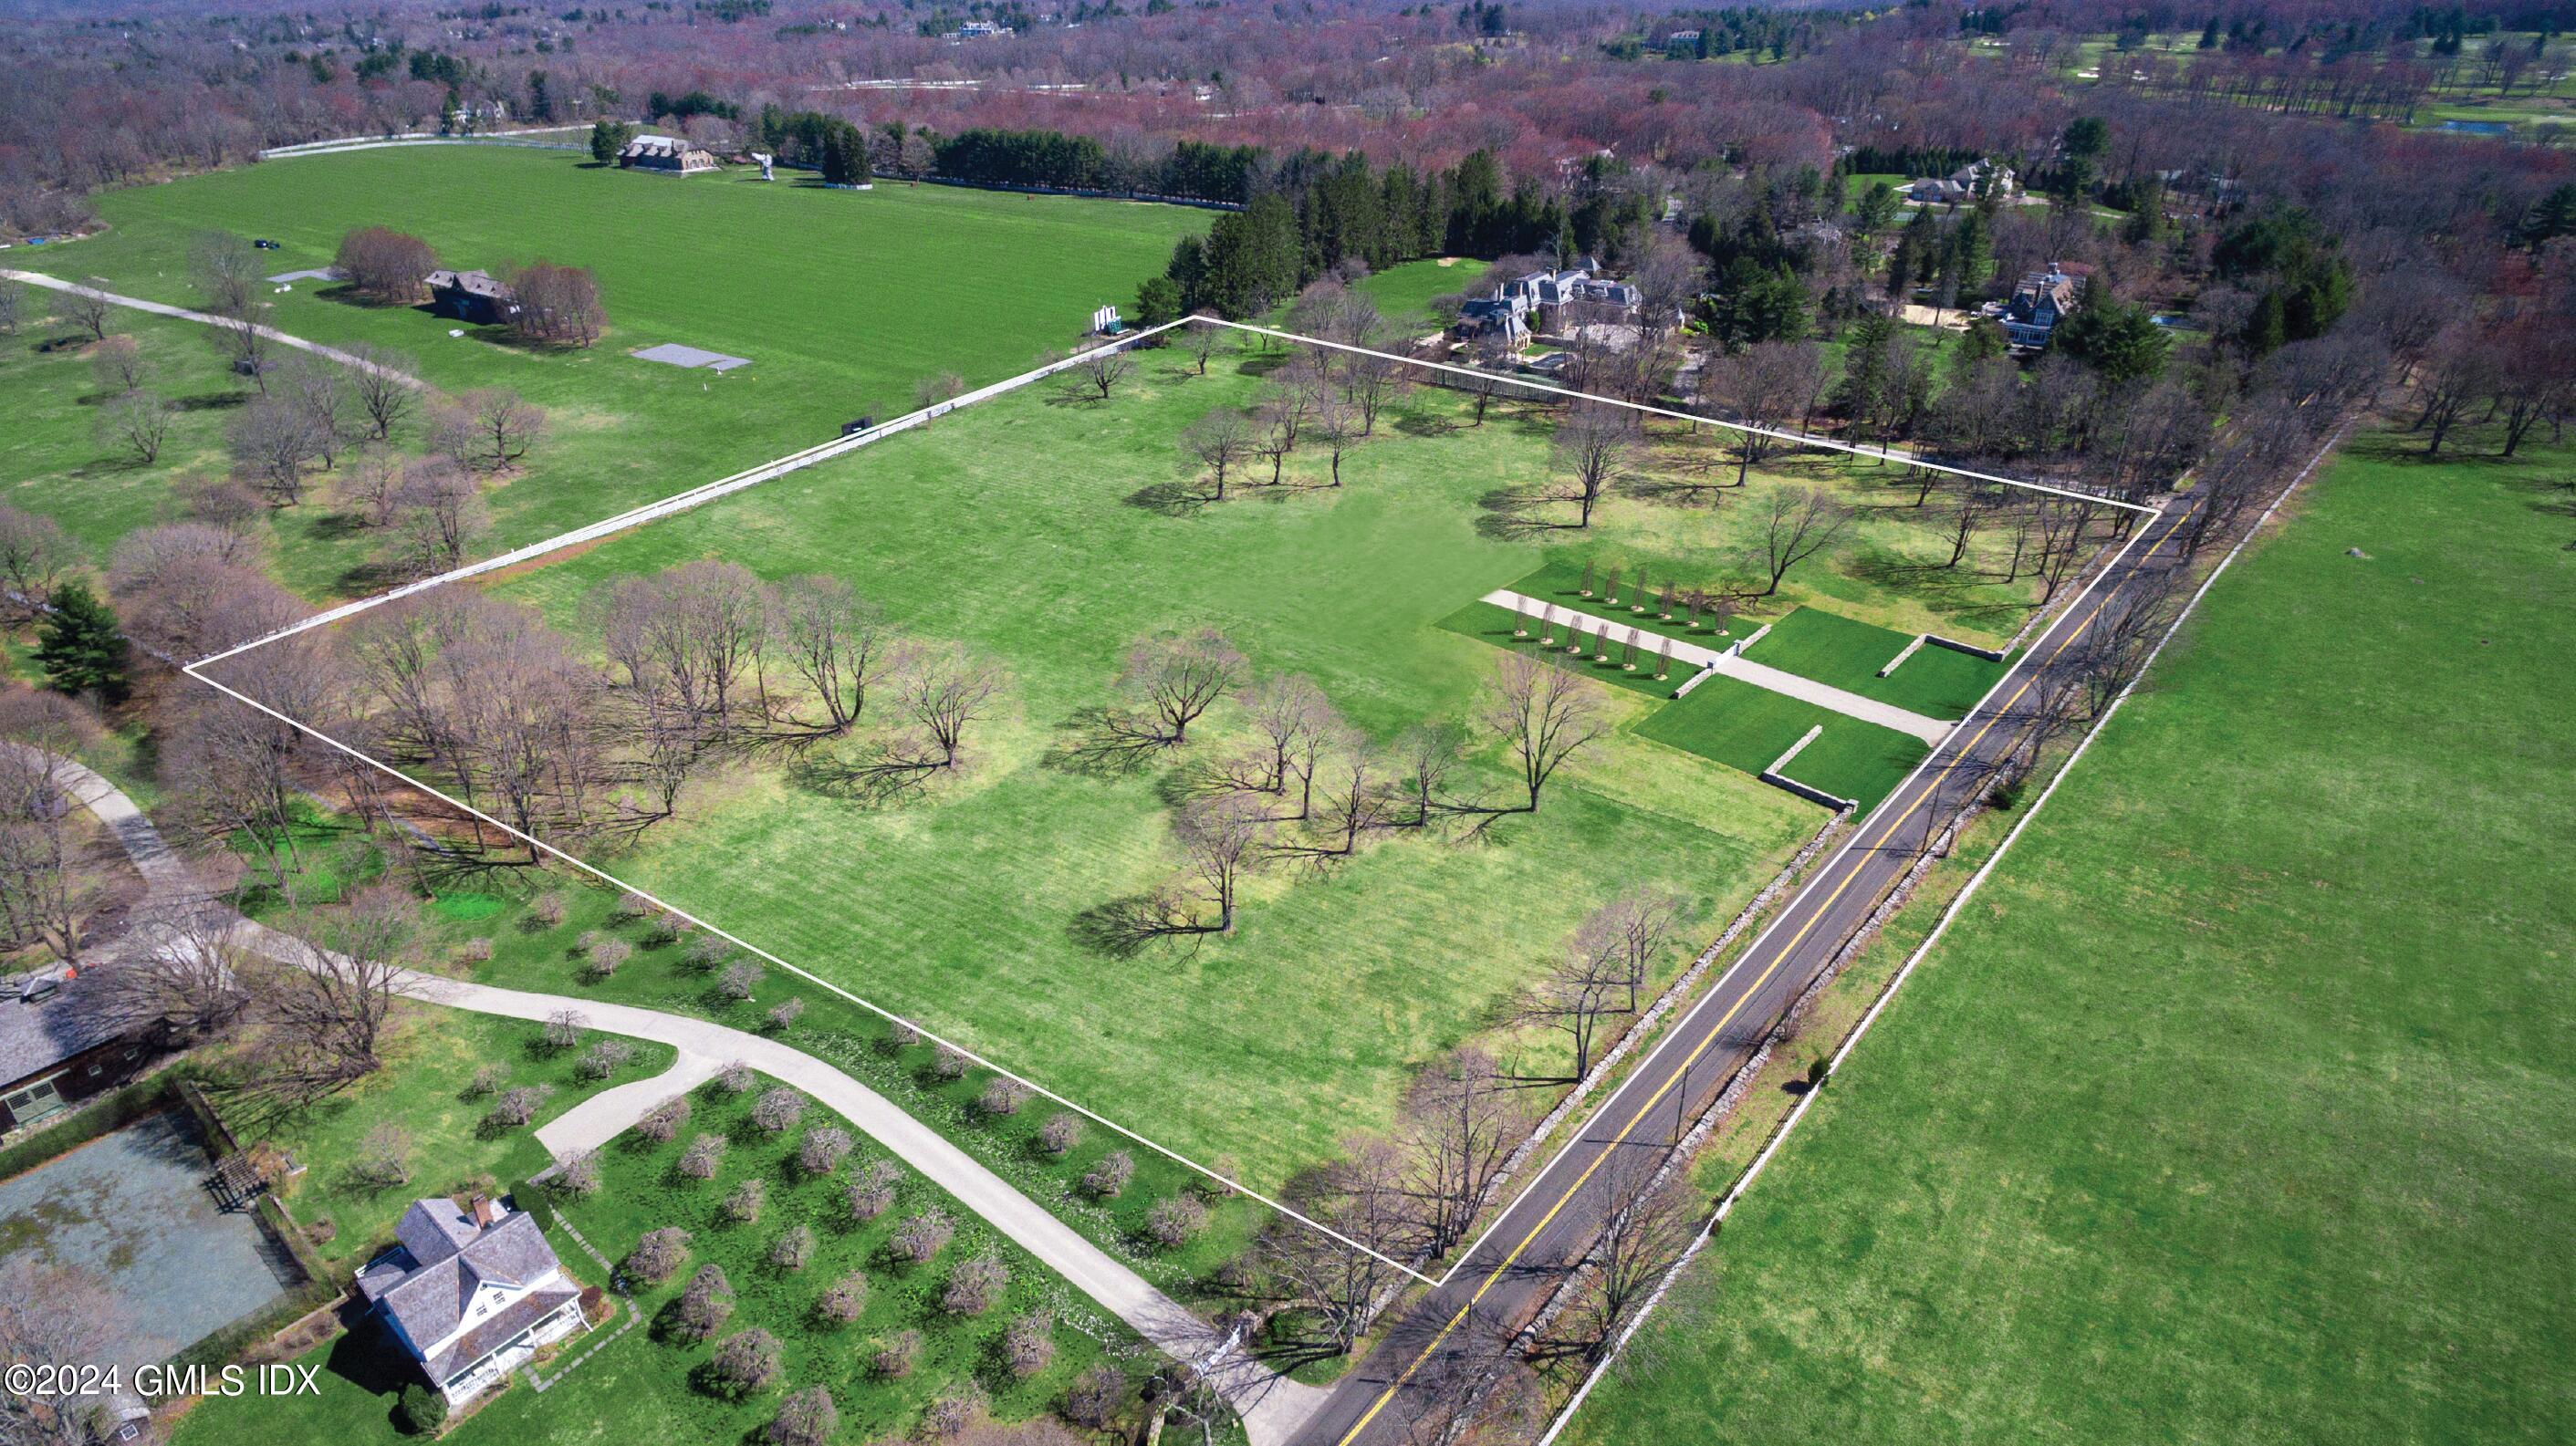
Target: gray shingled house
472,1291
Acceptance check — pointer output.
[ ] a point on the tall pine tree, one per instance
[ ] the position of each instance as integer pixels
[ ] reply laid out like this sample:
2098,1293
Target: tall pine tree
80,647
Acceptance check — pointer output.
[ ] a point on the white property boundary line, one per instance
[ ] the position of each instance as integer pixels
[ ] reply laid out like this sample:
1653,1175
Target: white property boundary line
1940,926
797,461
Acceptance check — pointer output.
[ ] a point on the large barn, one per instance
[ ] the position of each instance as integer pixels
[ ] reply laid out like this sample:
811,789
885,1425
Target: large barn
668,154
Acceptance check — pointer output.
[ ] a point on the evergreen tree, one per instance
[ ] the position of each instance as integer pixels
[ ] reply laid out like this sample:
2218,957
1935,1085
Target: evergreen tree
79,646
1158,301
2117,339
607,138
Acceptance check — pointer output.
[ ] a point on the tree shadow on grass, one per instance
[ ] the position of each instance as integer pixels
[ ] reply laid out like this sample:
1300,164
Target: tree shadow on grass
1171,499
1103,743
1511,514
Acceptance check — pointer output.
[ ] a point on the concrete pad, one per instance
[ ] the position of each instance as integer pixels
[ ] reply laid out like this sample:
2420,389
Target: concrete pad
674,354
315,273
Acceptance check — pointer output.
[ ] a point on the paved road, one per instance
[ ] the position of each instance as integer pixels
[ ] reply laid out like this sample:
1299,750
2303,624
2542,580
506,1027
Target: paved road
1272,1407
1508,1274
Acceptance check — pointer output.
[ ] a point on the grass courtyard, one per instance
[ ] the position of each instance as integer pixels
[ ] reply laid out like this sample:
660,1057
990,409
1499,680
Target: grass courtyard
2238,1107
842,300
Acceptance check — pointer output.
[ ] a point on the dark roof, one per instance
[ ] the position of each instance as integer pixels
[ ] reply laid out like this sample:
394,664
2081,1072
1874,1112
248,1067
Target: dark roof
427,1283
473,283
77,1014
481,1341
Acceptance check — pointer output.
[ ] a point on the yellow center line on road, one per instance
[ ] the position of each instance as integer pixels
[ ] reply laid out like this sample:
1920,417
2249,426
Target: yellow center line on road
1859,856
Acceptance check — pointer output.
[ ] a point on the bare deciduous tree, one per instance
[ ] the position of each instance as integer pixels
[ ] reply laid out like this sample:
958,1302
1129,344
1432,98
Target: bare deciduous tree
1543,713
1095,375
87,307
490,427
380,381
276,445
1220,442
438,512
34,553
1179,676
838,644
385,265
137,422
1595,445
1651,1223
1796,524
1462,1119
52,1319
118,365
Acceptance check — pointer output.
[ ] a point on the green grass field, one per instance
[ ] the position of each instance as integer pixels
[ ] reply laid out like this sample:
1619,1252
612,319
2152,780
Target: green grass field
1267,1046
2239,1107
842,300
53,461
1402,293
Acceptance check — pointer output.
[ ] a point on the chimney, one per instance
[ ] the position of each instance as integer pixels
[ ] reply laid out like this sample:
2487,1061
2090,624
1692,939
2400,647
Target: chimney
485,1210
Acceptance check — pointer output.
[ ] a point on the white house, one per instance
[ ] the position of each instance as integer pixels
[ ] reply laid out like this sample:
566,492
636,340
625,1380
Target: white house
471,1292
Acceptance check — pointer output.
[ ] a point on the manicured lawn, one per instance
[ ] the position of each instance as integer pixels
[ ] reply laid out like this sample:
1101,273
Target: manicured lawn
1402,293
1937,682
2239,1107
1496,625
1745,727
842,301
425,1089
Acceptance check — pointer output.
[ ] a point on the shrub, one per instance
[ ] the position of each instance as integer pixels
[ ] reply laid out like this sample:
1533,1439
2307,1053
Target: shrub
704,1155
548,911
579,1176
705,1306
517,1106
475,951
630,905
777,1110
1060,1133
662,927
846,1301
949,1062
899,1036
793,1250
873,1193
708,954
662,1123
487,1078
743,1205
745,1362
954,1411
422,1410
822,1150
586,941
896,1355
736,1078
1108,1179
1028,1346
1172,1222
658,1256
1212,1186
975,1285
1096,1396
738,980
1004,1096
921,1236
806,1418
606,955
785,1013
564,1029
604,1058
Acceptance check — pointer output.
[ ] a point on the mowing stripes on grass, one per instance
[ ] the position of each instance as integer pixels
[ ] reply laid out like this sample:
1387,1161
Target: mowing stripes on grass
1936,682
1746,727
